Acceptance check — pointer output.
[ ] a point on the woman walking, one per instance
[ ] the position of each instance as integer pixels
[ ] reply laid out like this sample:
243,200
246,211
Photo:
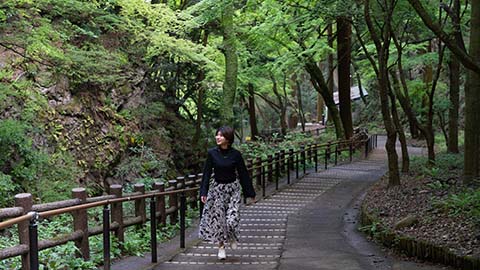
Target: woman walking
220,218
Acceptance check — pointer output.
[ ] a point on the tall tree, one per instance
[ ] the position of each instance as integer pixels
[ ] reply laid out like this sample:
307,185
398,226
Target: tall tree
252,116
231,62
344,48
381,37
330,65
298,89
454,77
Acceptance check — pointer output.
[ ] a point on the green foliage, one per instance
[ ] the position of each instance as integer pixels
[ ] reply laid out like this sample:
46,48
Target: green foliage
141,165
372,229
23,167
446,166
7,188
263,148
466,203
19,159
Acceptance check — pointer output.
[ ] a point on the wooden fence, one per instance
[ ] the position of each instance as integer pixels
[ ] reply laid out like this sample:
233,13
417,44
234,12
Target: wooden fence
169,199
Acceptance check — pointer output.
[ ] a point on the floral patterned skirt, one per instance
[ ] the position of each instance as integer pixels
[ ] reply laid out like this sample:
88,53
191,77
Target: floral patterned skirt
220,218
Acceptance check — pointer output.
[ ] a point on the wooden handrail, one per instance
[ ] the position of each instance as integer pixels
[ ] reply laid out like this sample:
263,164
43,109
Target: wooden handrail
49,213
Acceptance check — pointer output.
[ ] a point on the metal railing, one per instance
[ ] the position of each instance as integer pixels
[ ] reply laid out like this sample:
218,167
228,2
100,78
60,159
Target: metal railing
179,193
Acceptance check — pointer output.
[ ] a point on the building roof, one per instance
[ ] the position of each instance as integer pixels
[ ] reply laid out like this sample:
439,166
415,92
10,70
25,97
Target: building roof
354,94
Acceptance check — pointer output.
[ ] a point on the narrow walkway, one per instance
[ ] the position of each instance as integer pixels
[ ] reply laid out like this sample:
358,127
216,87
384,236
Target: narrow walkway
308,225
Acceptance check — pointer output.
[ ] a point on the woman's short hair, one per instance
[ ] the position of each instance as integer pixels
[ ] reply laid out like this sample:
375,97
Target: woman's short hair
228,133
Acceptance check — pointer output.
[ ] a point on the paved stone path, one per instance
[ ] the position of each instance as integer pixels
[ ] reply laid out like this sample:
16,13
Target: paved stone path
310,224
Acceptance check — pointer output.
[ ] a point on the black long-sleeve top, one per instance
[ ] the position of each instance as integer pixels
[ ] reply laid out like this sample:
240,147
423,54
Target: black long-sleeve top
226,164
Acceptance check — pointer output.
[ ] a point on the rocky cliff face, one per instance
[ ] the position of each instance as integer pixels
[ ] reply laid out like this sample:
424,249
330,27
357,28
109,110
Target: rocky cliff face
101,130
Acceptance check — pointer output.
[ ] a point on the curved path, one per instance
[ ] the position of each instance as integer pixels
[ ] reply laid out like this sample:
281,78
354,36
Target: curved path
311,224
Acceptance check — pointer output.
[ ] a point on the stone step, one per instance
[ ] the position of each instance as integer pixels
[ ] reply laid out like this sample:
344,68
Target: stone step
263,225
234,257
217,264
261,215
264,220
272,207
282,201
259,245
268,212
242,250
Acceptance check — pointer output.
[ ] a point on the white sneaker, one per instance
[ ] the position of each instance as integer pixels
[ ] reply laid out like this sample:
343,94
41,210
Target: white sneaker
233,244
222,255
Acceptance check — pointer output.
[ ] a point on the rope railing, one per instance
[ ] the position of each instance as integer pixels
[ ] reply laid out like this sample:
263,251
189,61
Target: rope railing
170,200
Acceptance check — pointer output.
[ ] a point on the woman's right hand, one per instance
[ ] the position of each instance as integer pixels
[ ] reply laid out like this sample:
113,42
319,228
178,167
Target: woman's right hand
203,199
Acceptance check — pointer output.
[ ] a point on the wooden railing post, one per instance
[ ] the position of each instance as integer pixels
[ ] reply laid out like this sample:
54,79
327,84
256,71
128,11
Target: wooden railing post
263,180
327,155
296,164
277,169
270,168
250,167
162,219
106,237
181,182
350,150
173,202
140,205
290,156
258,163
304,158
153,229
200,208
117,212
282,161
80,223
25,201
366,148
192,194
309,153
336,153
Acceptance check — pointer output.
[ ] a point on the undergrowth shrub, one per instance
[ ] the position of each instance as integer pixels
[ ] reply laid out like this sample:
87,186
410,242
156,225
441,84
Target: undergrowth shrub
465,203
26,167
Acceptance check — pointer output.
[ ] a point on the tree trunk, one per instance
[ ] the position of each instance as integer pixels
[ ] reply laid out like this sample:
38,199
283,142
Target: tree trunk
344,48
454,95
231,63
430,134
281,106
330,67
201,94
401,134
382,47
472,102
300,105
251,112
320,108
318,81
360,89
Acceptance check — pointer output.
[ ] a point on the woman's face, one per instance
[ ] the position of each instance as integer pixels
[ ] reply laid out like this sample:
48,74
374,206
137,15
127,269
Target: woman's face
221,141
